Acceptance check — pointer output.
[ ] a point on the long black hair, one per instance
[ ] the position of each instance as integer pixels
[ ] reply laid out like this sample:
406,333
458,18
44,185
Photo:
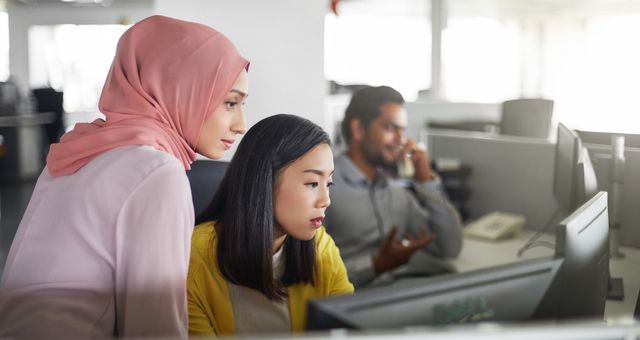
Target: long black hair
243,206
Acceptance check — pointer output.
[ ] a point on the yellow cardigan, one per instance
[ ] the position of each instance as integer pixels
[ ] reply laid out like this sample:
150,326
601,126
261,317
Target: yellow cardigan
210,309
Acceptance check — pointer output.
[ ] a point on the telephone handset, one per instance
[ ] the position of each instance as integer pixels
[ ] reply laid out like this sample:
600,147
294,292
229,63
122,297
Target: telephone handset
405,167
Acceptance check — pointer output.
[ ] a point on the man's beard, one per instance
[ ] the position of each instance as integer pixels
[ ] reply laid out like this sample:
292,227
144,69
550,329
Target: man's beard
375,157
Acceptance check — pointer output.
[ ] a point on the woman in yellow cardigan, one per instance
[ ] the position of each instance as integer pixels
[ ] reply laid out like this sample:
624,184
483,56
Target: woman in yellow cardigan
260,252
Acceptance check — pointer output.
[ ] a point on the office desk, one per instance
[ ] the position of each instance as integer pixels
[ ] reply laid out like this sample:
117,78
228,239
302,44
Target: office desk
478,254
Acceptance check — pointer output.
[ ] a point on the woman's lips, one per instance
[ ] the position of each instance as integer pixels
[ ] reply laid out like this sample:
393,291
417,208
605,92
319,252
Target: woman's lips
227,143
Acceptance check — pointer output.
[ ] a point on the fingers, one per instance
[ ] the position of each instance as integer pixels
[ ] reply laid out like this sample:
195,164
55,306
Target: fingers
423,231
409,147
409,242
407,236
425,237
423,240
391,236
420,243
412,148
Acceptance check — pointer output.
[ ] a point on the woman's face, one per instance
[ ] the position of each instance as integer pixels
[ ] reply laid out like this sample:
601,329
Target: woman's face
302,193
220,129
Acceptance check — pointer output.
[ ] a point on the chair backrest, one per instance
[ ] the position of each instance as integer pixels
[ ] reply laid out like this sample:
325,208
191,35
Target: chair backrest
50,100
528,117
205,177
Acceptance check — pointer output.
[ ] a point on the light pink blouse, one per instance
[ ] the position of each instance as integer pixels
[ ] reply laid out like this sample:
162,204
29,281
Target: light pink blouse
95,256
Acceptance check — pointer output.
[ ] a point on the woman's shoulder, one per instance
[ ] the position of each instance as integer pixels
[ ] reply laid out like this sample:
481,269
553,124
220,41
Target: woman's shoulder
326,248
134,164
331,273
203,234
145,155
204,237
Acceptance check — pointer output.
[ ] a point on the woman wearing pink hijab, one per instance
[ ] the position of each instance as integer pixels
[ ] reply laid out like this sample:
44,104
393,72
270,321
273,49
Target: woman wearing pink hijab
103,247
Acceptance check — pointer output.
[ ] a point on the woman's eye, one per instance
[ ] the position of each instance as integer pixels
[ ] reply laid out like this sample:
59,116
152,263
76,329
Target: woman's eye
230,104
312,185
329,185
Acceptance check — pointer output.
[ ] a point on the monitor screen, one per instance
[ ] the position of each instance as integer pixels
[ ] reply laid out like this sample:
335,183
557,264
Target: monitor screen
573,284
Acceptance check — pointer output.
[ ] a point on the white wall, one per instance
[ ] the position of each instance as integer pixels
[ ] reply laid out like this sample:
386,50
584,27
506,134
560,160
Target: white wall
22,16
422,112
283,39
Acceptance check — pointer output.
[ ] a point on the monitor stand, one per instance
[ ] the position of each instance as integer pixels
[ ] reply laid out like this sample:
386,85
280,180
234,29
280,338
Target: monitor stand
616,289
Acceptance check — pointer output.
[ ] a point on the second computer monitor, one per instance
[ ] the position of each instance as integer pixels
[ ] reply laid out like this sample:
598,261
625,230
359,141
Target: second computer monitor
574,180
586,182
568,147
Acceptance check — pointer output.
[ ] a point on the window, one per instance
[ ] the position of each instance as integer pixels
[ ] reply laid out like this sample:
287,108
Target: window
378,42
595,84
580,54
74,59
481,60
4,46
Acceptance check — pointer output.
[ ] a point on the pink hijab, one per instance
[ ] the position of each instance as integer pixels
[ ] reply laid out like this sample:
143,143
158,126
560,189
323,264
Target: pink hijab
167,78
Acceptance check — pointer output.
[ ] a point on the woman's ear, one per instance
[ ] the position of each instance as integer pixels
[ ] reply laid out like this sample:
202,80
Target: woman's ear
357,130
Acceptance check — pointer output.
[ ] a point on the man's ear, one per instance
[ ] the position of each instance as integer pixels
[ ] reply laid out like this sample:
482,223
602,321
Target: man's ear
357,130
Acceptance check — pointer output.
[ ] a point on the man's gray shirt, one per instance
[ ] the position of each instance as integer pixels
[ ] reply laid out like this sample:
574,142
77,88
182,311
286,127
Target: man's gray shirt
361,215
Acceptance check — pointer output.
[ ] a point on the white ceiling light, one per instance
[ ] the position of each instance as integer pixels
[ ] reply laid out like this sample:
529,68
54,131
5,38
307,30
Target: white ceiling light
90,2
103,3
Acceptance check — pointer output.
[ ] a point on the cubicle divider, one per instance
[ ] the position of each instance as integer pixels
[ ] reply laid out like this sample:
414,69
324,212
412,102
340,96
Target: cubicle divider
515,174
509,174
423,112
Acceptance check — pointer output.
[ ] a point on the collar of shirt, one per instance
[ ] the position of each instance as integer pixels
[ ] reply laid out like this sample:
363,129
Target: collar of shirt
352,174
278,263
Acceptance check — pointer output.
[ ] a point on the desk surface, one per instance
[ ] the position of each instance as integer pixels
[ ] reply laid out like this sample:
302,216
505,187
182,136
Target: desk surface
27,119
478,254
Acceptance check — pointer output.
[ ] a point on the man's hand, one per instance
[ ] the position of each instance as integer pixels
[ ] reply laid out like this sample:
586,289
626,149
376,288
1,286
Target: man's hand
394,253
420,160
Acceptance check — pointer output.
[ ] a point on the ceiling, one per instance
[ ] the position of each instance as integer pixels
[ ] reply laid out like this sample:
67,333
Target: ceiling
542,7
74,2
500,8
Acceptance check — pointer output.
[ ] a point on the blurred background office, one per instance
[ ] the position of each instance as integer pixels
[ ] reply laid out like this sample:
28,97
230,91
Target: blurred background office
459,63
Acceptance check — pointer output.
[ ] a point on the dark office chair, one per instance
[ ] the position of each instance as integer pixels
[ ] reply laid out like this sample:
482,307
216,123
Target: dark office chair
205,177
50,100
527,117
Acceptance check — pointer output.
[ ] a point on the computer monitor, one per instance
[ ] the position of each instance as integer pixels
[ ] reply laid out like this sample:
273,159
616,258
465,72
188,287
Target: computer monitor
572,284
582,239
449,299
574,180
568,148
586,185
